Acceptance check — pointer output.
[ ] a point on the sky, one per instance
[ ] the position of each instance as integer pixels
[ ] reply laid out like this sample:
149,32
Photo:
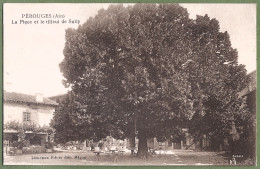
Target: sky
32,52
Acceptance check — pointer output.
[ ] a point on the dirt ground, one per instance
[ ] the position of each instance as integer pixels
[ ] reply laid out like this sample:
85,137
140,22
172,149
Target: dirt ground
172,157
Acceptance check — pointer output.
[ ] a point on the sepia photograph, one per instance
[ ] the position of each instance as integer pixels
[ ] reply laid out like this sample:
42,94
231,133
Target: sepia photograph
129,84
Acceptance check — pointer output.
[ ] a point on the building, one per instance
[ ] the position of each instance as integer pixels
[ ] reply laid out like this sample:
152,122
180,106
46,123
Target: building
249,93
246,139
59,98
22,110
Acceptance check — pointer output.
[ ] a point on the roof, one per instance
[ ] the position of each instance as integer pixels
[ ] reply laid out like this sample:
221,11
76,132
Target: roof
58,98
24,98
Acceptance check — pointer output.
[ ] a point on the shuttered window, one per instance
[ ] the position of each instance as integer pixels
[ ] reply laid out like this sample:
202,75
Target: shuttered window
26,116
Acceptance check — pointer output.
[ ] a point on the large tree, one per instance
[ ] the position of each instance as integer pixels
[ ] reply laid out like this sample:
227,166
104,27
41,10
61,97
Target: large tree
147,70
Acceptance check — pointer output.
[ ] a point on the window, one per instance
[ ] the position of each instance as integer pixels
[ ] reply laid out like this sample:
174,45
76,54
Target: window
26,117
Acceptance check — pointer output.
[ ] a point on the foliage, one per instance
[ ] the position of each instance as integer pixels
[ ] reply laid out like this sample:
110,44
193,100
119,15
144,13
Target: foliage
34,150
18,144
48,145
14,125
67,124
21,144
15,144
148,70
21,135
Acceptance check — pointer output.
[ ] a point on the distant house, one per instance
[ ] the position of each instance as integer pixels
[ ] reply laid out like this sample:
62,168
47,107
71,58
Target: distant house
249,93
24,109
248,138
59,98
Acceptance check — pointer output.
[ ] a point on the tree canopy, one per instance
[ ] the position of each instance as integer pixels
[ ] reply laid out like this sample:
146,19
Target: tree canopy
148,70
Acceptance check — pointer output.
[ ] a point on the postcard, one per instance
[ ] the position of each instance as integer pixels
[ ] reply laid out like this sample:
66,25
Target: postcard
125,84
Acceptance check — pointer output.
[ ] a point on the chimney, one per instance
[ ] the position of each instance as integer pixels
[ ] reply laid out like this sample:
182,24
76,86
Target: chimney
38,97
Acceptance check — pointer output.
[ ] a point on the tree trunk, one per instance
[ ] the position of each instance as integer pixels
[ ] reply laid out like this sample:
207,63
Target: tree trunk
132,144
142,145
131,138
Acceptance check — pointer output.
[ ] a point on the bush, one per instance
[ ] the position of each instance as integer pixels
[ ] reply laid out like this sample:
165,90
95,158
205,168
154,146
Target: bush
34,150
15,144
18,144
21,144
48,145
